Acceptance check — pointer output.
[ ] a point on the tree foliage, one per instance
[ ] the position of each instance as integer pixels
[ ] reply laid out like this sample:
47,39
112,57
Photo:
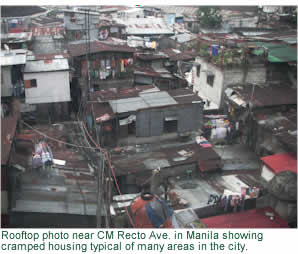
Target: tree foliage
209,17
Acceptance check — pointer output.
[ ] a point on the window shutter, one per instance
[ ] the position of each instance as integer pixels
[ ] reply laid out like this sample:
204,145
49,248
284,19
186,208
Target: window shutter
27,84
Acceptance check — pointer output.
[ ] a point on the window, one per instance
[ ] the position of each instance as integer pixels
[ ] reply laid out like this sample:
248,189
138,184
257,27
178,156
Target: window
170,124
30,83
198,70
72,17
210,79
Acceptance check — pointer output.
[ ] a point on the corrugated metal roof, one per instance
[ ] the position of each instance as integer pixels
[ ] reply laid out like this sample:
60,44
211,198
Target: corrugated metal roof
186,10
135,163
149,71
79,49
145,100
16,37
277,52
282,125
15,57
281,162
151,56
146,26
158,99
128,105
185,37
46,65
114,93
82,12
255,218
266,95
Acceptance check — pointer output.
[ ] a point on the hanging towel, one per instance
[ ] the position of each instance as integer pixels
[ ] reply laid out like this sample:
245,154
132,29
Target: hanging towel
122,65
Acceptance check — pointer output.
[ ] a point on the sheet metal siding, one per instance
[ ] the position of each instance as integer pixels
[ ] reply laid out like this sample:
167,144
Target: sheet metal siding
198,114
156,122
186,121
143,123
143,79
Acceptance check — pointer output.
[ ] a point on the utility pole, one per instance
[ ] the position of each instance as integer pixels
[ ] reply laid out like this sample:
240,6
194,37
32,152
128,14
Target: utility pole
87,43
101,167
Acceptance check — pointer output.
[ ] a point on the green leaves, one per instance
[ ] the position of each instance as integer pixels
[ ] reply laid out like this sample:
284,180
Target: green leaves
209,17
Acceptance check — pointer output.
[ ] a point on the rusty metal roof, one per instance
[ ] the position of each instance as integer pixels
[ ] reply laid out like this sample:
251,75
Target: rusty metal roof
99,109
137,163
151,56
149,71
114,93
184,95
177,55
79,49
262,95
67,189
282,125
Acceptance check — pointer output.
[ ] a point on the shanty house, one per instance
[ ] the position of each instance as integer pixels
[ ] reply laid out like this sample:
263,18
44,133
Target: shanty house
266,116
12,63
77,22
141,114
150,70
47,85
110,62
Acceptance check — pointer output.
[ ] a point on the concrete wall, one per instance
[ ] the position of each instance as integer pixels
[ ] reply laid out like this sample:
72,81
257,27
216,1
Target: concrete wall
6,83
255,74
213,93
223,78
51,87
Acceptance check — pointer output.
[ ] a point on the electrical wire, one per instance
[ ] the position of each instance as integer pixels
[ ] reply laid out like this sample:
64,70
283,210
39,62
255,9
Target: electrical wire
54,139
113,173
95,148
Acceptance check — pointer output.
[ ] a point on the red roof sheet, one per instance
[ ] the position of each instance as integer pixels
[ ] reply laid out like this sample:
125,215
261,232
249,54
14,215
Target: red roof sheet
281,162
254,218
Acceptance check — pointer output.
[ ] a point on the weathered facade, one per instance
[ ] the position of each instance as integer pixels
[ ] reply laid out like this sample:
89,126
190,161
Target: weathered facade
110,63
47,85
78,22
211,81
